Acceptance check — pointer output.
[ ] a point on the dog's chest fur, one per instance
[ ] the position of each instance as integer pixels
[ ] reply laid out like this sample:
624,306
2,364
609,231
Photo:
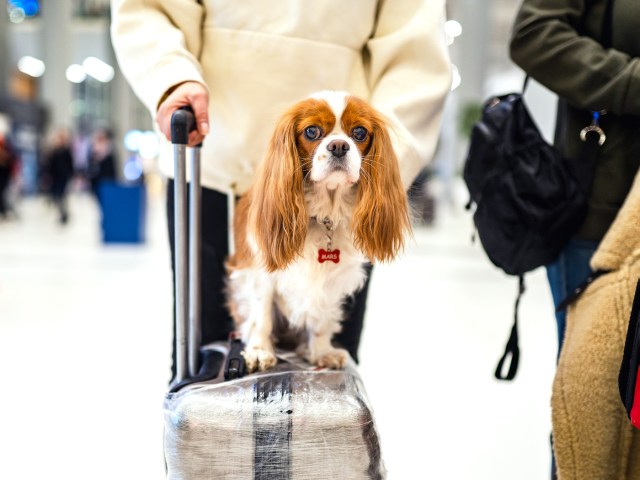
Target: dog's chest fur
307,291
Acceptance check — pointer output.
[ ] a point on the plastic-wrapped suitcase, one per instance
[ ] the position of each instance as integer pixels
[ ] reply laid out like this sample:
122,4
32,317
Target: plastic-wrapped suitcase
293,422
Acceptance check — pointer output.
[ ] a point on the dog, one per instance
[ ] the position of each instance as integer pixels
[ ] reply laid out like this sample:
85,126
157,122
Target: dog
326,199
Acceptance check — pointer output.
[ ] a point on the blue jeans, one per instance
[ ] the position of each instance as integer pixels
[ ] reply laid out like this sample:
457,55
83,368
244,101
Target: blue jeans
567,272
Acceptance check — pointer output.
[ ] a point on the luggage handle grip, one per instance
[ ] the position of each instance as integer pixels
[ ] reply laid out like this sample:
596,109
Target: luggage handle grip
183,122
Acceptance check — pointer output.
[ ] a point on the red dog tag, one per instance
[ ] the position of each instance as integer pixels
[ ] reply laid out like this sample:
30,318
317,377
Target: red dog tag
330,256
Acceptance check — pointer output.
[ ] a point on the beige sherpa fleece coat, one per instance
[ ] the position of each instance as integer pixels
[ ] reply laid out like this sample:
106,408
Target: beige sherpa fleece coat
593,438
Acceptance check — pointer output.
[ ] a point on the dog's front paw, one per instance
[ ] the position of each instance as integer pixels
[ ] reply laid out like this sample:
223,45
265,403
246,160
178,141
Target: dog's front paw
257,358
336,359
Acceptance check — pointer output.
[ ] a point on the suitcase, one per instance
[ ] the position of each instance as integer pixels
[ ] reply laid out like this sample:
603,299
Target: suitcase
293,422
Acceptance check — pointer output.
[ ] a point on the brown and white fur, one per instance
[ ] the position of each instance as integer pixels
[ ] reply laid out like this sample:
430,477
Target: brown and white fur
347,175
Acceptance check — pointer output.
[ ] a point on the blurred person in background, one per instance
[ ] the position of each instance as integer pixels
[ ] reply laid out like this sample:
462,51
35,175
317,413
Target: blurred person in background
8,167
240,65
28,121
589,55
60,169
102,160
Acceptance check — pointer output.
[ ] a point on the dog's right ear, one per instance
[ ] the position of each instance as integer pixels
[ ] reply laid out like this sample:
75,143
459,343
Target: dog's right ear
277,216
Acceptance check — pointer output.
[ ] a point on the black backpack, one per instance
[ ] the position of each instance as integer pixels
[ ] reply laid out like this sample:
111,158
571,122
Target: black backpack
529,199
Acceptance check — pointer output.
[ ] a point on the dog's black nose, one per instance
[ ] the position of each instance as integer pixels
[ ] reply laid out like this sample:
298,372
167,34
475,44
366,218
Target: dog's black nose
338,148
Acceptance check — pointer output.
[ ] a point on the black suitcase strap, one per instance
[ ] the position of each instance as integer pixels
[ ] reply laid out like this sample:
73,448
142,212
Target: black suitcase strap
272,450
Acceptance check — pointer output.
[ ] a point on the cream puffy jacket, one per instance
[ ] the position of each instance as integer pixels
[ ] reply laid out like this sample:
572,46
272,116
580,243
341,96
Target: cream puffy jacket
258,57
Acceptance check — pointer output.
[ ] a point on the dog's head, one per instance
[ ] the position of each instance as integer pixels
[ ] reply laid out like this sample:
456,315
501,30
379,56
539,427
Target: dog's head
332,140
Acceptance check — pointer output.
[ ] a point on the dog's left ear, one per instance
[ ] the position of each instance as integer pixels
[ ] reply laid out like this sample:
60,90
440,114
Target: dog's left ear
381,215
277,213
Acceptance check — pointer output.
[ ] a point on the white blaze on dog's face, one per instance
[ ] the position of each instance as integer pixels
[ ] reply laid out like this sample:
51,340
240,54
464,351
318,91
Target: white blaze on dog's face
333,137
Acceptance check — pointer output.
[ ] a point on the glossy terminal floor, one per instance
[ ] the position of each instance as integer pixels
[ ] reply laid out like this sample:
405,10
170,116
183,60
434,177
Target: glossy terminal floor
84,354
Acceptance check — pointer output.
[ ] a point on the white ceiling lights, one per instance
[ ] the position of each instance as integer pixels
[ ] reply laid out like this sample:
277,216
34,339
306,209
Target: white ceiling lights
96,68
92,67
31,66
76,74
452,29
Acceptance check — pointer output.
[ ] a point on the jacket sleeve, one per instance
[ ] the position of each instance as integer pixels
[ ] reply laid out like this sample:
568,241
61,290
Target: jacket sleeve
409,76
547,45
157,44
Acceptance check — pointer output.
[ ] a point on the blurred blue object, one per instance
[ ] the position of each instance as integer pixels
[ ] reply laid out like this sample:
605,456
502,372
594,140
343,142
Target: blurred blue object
133,169
29,7
123,212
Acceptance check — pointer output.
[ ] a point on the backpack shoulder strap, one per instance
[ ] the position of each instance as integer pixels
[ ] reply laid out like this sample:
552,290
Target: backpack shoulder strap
512,349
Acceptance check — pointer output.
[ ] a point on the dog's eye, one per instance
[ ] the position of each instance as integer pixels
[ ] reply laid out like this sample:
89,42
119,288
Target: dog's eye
359,134
312,133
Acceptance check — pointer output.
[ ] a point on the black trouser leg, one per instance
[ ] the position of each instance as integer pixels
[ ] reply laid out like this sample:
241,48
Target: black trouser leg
216,322
59,197
354,310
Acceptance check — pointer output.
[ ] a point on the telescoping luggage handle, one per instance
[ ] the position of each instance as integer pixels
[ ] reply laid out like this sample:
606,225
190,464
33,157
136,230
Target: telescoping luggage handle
187,282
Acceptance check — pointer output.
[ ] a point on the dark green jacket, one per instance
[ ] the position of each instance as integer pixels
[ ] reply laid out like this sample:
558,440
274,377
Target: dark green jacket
558,43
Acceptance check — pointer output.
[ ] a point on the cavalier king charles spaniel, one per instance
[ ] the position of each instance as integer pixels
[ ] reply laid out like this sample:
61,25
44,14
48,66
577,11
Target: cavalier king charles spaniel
327,198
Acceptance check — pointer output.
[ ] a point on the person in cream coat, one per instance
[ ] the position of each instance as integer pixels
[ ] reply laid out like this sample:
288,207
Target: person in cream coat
241,64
